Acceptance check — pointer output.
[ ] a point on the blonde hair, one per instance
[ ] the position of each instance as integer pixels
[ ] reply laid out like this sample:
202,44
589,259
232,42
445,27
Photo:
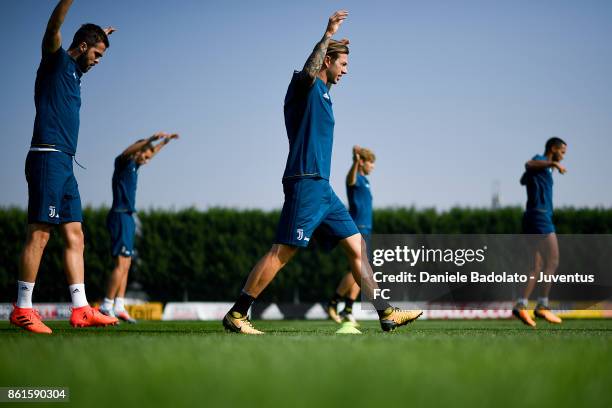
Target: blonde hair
335,48
367,155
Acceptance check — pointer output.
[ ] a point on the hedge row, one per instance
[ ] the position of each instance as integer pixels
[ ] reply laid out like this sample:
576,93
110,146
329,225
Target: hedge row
206,255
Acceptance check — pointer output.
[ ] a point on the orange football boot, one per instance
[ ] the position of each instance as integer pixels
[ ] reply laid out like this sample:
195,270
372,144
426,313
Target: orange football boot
521,313
87,316
544,312
28,318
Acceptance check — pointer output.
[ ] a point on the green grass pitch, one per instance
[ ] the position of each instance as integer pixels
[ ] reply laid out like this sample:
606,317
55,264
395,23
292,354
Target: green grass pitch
304,364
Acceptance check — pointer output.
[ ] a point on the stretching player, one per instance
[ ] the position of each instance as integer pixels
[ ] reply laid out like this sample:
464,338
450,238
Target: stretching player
120,221
360,208
310,203
537,219
53,194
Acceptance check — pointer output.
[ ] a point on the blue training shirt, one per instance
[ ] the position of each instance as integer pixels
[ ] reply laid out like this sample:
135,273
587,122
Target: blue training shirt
539,184
57,96
360,203
309,120
125,179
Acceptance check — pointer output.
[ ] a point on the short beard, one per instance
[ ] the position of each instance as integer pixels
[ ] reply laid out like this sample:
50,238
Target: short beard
82,62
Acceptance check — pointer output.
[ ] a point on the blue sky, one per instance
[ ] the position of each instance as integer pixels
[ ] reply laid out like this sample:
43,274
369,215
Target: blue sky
453,96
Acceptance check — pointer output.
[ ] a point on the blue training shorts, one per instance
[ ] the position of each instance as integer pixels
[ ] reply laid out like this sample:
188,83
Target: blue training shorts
122,228
537,222
53,192
312,208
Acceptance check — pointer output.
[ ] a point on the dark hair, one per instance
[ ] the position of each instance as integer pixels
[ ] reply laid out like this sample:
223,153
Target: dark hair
91,34
553,141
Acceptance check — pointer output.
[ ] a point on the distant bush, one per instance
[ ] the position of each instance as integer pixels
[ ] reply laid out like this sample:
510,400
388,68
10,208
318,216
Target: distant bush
206,255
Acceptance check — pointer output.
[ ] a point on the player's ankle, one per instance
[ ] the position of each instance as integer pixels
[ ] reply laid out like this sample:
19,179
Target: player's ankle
335,299
382,313
243,304
77,293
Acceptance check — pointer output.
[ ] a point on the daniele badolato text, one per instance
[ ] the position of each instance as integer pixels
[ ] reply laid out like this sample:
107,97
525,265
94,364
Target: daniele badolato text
477,277
419,257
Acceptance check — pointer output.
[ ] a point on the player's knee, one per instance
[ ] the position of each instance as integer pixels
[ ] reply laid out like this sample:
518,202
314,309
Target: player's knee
124,263
538,266
282,253
75,239
39,238
353,246
353,253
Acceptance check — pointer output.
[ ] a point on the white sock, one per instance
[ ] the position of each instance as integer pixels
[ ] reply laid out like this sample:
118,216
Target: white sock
24,293
543,301
77,292
522,301
107,304
119,304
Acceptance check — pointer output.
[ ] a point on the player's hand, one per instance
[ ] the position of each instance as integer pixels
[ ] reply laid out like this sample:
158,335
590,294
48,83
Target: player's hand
109,30
560,167
356,155
334,22
172,136
157,136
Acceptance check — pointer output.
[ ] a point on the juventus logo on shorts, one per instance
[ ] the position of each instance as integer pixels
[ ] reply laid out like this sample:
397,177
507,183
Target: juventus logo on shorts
300,234
52,212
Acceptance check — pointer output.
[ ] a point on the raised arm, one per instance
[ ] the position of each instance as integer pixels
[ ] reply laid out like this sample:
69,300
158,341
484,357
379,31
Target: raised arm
315,60
137,146
167,138
544,164
351,177
52,39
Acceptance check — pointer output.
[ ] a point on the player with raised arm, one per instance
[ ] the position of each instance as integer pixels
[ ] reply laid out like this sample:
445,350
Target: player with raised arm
310,203
120,221
360,208
537,220
53,194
